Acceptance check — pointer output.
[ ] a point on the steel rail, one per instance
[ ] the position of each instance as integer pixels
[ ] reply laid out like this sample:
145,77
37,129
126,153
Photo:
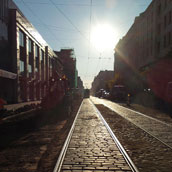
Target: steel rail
131,110
147,116
140,126
120,147
59,162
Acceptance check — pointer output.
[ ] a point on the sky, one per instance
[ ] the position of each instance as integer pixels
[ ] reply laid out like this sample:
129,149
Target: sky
91,27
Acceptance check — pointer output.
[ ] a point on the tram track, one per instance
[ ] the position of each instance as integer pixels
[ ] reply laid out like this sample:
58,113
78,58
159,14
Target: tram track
60,161
121,148
148,153
154,127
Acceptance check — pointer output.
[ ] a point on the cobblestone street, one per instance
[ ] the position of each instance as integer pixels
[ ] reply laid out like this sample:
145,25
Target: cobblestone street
91,147
133,130
159,129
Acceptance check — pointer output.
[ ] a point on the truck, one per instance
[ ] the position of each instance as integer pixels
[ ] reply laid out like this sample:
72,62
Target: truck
118,93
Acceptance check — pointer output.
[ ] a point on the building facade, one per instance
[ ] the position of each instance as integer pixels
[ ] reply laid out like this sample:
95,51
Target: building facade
68,60
30,65
7,78
147,43
4,19
149,38
101,80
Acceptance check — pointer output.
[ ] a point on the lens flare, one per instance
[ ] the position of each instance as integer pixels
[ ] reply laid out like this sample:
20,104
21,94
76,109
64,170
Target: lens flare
104,36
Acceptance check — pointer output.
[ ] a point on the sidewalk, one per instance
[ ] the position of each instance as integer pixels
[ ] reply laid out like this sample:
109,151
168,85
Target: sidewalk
19,105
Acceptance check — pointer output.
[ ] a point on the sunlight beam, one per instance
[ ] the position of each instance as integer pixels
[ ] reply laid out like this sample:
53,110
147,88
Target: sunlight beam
104,37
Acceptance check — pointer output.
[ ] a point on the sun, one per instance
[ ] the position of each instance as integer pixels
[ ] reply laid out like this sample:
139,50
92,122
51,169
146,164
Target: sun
103,37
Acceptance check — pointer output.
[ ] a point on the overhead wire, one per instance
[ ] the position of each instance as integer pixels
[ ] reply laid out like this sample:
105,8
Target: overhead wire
108,61
63,4
59,28
47,26
89,46
97,65
67,18
70,21
56,5
33,13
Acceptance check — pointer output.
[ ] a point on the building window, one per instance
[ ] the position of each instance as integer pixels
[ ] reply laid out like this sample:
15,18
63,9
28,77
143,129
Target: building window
36,51
151,50
36,73
159,29
169,17
30,46
21,38
159,9
51,63
165,3
165,21
164,41
37,62
51,66
152,17
42,55
29,69
21,67
36,69
42,65
158,47
169,38
2,7
3,10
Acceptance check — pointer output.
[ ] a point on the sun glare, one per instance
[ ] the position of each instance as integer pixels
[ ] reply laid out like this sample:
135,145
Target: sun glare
103,37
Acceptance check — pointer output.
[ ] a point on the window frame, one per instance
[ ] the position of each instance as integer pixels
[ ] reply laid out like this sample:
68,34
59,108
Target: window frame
21,66
21,38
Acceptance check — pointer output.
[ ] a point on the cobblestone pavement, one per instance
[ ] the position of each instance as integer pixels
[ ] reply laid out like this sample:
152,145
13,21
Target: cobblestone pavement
37,149
155,127
152,112
147,153
27,153
91,147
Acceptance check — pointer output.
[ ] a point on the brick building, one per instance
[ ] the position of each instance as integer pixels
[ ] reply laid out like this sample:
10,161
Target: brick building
30,63
101,80
68,60
147,43
80,86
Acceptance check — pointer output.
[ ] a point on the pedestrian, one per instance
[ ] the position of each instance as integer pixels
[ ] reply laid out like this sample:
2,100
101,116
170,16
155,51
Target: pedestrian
2,103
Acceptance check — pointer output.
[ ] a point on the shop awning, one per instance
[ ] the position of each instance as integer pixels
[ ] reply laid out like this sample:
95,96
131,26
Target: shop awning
6,74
